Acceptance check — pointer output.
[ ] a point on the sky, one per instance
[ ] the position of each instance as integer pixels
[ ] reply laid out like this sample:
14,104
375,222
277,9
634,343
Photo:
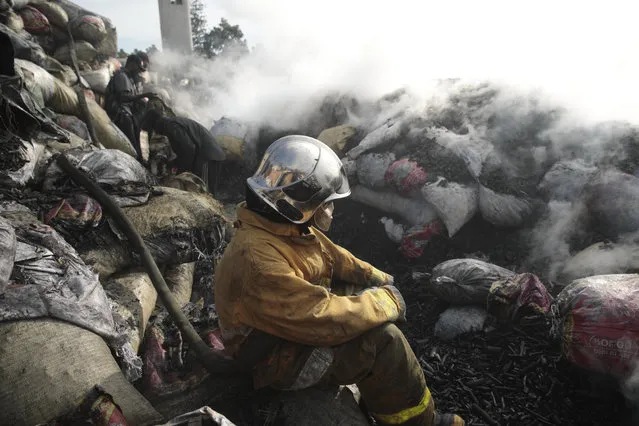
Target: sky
135,32
582,52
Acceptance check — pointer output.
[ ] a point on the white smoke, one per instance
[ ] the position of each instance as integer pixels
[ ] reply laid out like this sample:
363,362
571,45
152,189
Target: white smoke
551,239
579,53
517,87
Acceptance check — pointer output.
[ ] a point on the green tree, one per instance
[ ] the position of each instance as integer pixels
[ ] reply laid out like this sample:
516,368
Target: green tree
152,50
122,54
198,27
224,38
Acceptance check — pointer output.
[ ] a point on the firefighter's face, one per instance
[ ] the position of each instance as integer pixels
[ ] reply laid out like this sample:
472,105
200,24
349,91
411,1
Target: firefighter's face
323,217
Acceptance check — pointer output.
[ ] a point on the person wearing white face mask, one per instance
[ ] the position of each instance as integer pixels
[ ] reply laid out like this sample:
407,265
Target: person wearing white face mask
280,311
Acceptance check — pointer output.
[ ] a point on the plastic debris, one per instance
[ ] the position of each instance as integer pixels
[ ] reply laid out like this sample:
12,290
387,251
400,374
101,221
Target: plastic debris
519,296
464,281
79,212
118,173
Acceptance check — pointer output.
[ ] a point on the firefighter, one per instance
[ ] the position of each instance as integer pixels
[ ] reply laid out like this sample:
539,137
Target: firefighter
279,293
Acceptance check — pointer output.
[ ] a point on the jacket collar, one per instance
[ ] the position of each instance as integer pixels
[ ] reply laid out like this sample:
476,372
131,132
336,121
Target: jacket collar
246,216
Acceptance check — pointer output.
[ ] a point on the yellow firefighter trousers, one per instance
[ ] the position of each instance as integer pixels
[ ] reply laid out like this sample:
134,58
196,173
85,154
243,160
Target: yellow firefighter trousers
381,363
388,375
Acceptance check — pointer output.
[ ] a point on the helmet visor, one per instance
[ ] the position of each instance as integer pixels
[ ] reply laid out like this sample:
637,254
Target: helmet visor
298,179
300,161
306,189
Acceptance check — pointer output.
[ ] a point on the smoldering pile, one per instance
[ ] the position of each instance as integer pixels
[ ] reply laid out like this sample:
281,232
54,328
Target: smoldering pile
486,151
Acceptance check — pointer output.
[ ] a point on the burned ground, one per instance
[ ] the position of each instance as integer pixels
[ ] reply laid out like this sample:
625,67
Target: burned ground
511,375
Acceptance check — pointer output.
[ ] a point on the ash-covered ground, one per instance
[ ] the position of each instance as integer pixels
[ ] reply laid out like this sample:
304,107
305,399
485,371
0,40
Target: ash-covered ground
505,376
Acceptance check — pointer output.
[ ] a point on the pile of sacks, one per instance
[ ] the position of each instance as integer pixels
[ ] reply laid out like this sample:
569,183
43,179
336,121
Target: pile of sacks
74,293
477,289
41,32
436,170
74,296
480,151
42,91
594,319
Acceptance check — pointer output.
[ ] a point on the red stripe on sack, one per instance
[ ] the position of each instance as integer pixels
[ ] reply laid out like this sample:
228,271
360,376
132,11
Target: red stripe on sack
412,244
405,175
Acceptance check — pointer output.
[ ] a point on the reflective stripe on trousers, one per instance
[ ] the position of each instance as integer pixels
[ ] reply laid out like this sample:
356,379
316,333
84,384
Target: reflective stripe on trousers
407,414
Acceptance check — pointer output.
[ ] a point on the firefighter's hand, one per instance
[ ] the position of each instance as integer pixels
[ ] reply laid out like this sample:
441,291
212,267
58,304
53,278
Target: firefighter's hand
401,318
390,295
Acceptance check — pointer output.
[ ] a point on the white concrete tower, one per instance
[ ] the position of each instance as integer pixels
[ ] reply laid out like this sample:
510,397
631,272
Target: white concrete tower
175,25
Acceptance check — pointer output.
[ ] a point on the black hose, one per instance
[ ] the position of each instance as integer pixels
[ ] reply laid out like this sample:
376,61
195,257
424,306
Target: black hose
213,362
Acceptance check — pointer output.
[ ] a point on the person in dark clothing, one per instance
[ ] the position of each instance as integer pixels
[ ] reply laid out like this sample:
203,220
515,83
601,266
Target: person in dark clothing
124,102
191,142
145,60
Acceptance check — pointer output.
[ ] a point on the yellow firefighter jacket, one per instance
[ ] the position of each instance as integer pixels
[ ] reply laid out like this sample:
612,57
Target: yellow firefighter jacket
275,279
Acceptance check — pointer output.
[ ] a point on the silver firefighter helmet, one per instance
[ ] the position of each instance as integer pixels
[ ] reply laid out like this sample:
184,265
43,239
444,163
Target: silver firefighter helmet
297,175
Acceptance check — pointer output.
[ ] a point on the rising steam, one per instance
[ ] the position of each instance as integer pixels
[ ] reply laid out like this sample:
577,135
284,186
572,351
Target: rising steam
548,81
